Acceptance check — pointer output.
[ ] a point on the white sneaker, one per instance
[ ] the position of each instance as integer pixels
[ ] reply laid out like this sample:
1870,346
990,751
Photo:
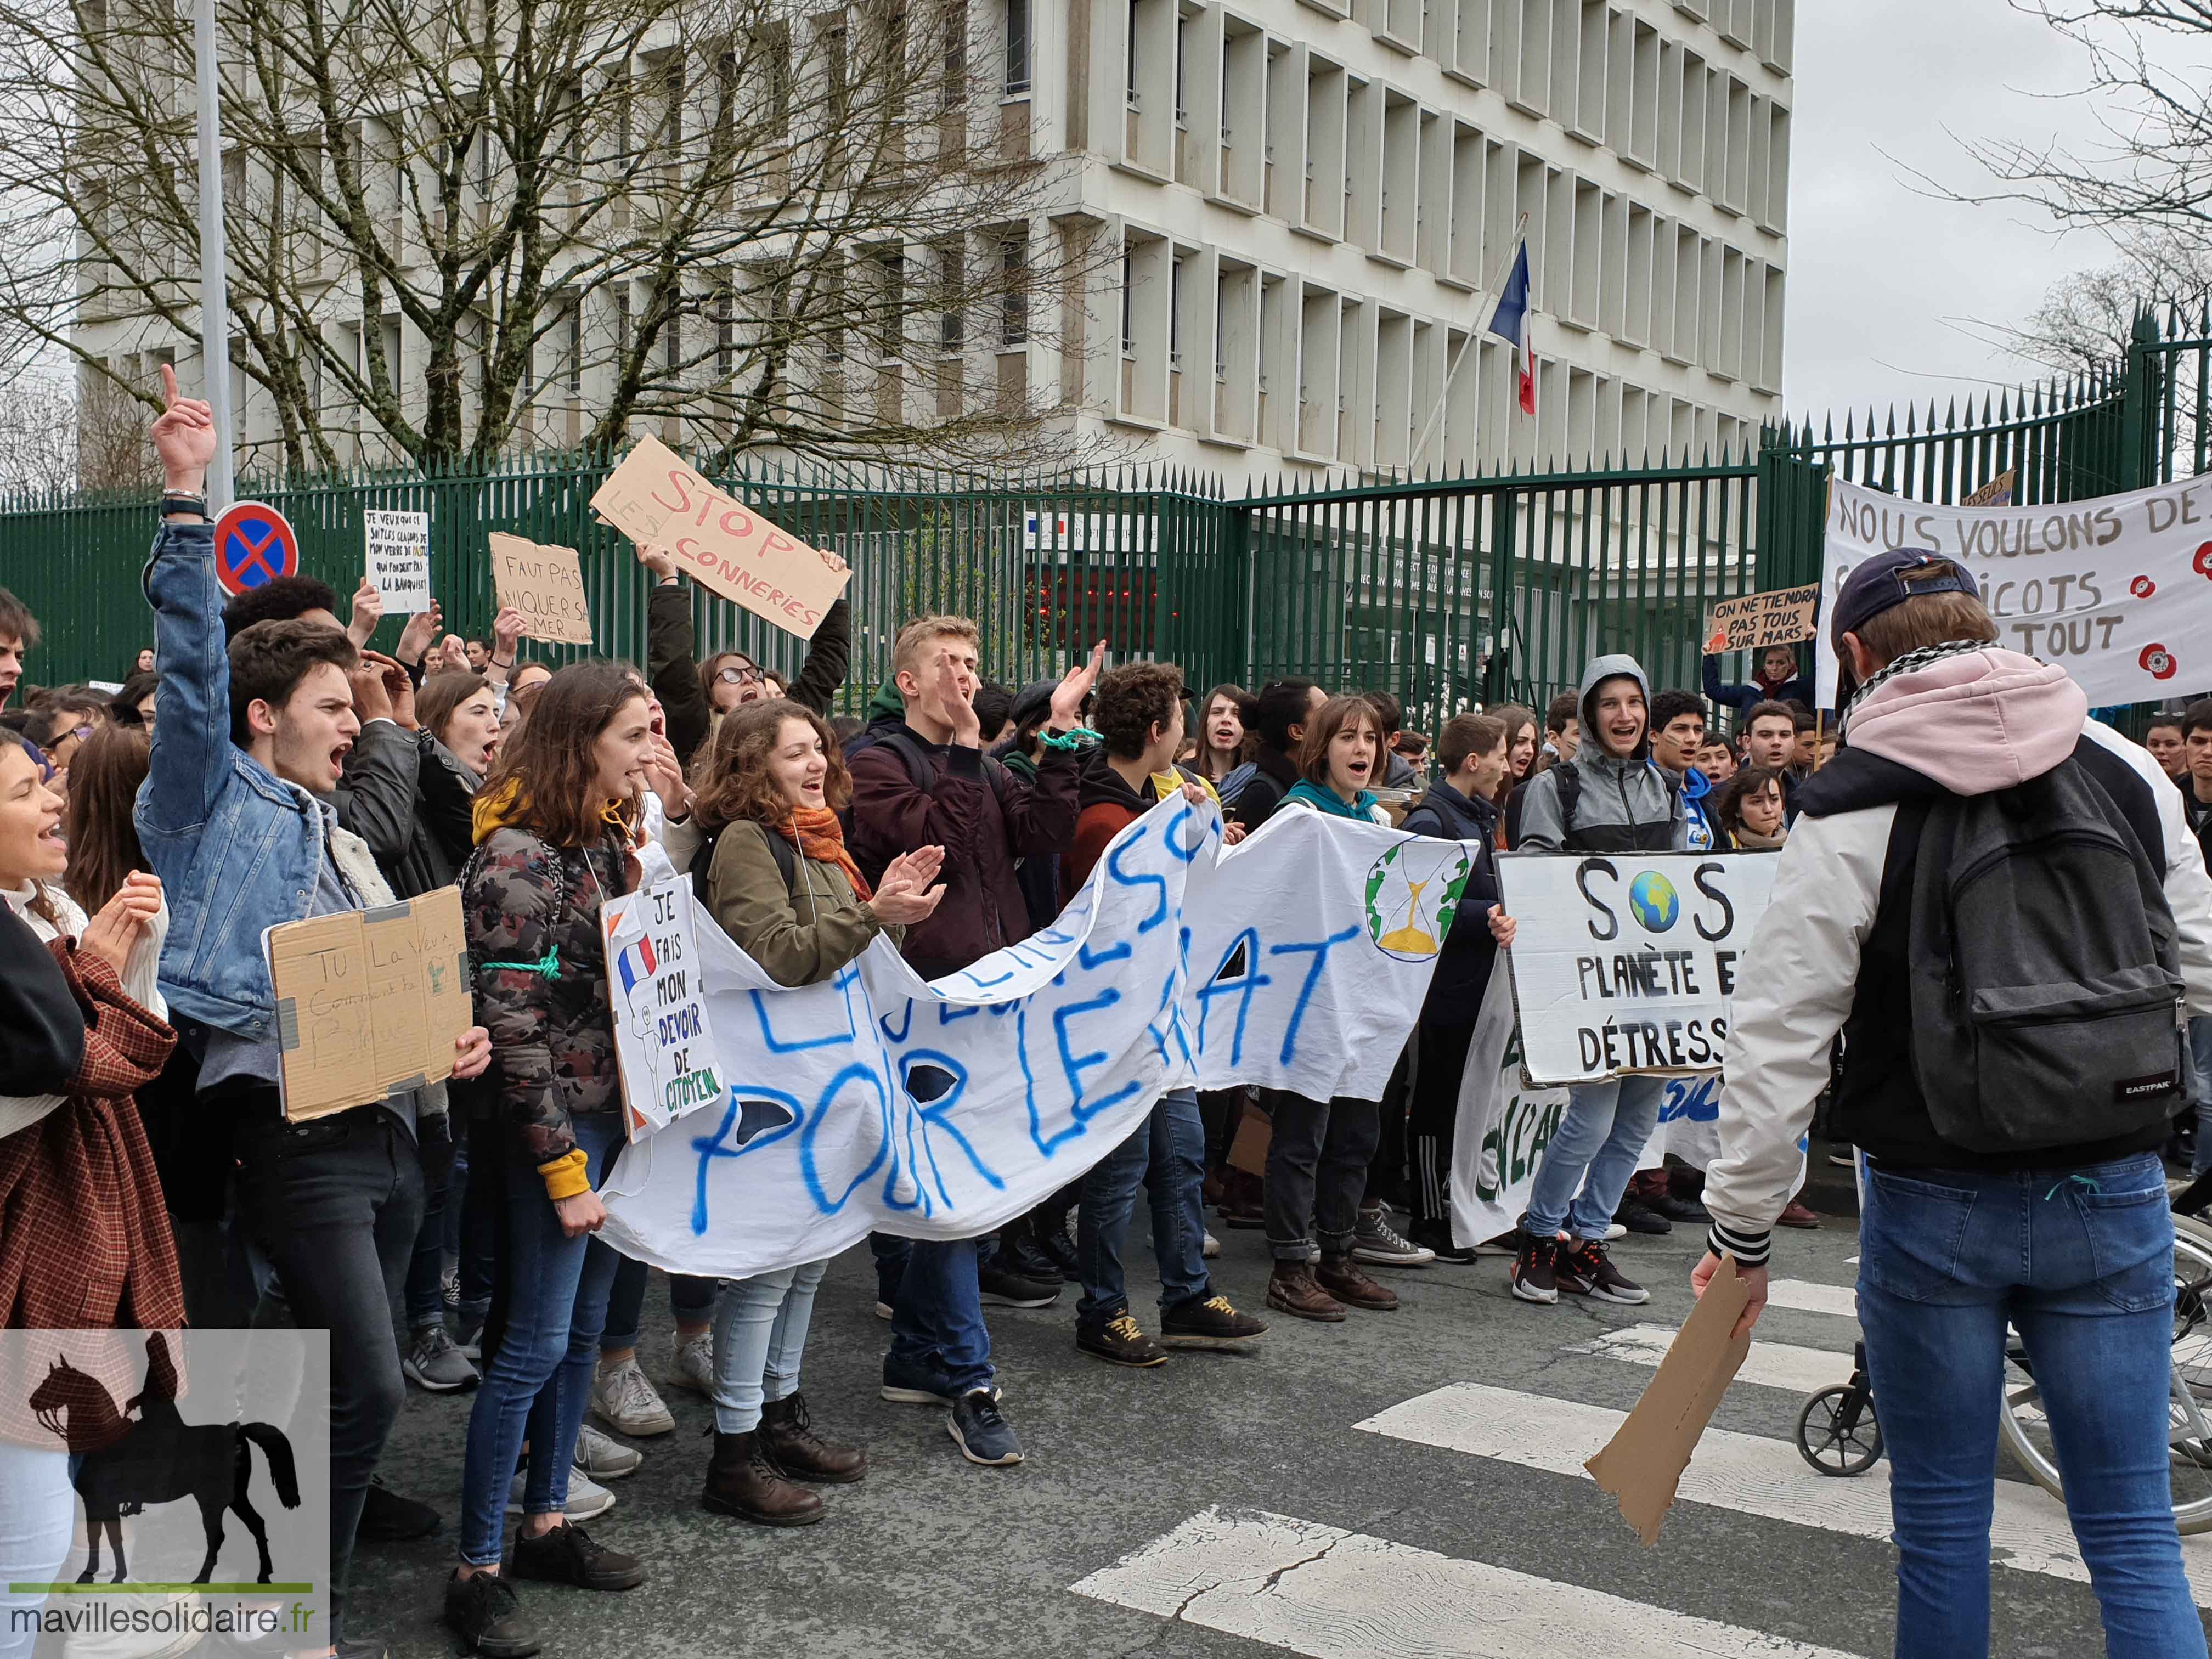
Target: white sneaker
1616,1231
693,1365
586,1496
602,1458
626,1402
1212,1248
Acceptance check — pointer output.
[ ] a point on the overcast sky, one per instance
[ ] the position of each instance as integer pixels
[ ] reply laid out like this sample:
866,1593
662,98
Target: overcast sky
1885,284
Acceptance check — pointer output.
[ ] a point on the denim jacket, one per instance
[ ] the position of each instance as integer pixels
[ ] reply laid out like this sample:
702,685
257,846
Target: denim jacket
237,848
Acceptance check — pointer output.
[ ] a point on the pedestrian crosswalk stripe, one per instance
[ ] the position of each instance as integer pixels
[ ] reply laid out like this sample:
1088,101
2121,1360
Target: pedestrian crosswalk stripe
1330,1594
1807,1297
1748,1474
1770,1365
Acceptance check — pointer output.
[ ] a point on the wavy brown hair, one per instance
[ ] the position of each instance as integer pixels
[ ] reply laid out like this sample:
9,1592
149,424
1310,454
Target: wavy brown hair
104,776
731,780
548,762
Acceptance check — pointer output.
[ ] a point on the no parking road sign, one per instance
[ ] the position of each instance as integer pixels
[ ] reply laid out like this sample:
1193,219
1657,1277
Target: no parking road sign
254,543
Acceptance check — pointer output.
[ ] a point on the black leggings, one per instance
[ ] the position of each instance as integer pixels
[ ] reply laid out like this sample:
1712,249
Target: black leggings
1440,1061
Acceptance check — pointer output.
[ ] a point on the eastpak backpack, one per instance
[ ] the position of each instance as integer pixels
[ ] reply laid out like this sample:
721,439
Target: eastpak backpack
2047,998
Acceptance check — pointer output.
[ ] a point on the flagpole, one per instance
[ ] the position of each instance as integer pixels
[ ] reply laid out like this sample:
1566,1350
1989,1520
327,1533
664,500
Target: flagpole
215,300
1496,283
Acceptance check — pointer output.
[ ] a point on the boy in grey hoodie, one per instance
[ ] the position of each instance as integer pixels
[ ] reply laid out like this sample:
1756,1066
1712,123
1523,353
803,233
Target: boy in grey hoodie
1610,798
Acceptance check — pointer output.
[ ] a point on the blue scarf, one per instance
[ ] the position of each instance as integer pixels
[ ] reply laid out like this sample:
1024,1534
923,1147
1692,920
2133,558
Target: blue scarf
1329,801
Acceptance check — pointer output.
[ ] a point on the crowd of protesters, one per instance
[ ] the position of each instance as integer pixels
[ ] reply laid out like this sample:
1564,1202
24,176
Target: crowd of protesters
260,765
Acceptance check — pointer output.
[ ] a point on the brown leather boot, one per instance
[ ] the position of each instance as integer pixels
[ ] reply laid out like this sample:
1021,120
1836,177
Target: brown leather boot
741,1481
1293,1288
788,1436
1341,1280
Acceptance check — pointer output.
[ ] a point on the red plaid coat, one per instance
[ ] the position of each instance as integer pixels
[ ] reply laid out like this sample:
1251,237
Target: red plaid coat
84,1240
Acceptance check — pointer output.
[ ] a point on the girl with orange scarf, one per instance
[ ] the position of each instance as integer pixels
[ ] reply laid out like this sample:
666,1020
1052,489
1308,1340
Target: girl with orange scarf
802,910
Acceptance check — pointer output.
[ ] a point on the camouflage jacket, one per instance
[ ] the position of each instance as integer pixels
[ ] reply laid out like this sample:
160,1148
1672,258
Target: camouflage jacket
541,980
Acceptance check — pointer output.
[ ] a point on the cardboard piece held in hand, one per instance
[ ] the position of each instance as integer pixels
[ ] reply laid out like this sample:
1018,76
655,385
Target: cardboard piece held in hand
369,1003
654,498
1256,1133
546,585
1642,1463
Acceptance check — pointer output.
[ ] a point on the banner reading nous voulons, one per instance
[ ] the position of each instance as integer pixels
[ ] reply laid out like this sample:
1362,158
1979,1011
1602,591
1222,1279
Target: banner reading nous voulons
2117,590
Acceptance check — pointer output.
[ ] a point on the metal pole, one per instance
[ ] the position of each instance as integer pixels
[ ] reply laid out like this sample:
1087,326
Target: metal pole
215,298
1497,281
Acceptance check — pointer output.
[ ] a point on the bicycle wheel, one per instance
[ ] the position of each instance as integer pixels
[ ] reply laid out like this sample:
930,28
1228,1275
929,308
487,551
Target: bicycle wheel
2026,1429
1834,1439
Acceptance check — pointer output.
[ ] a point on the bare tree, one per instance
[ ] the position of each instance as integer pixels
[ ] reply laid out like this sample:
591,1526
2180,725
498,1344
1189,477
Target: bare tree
459,226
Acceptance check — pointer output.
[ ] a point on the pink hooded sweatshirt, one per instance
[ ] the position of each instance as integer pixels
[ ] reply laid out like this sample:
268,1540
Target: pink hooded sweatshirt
1975,723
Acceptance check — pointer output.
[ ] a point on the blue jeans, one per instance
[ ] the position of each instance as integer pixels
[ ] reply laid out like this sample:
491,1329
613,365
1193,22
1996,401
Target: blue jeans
1167,1152
1596,1147
538,1384
37,1511
760,1337
2200,1080
690,1299
937,1324
2082,1264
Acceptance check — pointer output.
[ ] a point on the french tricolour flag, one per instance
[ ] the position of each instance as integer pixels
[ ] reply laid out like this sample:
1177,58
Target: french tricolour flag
1510,322
636,964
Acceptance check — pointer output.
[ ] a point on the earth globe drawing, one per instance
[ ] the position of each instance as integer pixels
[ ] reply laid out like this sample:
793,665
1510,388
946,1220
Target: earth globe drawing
1652,900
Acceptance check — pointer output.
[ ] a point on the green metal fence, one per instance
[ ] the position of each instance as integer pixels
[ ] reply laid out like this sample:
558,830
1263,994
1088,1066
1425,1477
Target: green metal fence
1440,591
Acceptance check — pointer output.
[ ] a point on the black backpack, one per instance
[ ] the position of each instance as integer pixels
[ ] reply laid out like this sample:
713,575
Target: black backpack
2045,970
785,856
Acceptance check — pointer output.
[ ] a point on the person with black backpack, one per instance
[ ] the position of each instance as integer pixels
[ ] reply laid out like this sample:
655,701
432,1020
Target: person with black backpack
1611,798
1997,903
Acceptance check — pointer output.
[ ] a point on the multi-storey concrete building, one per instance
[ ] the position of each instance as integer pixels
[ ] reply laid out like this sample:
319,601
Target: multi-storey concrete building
1317,200
1295,216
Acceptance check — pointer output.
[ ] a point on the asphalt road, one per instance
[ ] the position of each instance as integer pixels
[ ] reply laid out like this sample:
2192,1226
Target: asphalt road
1221,1502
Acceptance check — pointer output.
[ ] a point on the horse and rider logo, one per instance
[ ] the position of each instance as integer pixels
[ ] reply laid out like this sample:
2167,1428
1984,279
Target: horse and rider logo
125,1464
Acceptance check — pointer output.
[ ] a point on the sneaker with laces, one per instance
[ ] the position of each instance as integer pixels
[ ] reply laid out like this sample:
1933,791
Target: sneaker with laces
693,1365
1209,1321
1121,1341
568,1555
388,1518
484,1611
626,1402
1058,1249
982,1431
1585,1269
1534,1275
1377,1243
435,1362
586,1497
1679,1209
1437,1236
1640,1218
1211,1248
601,1458
908,1384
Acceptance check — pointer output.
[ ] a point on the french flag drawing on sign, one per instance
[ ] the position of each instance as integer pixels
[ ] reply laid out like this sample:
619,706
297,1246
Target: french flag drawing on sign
636,964
1510,322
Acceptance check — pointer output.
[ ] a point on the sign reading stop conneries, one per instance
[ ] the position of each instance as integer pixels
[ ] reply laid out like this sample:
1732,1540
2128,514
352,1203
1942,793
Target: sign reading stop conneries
654,498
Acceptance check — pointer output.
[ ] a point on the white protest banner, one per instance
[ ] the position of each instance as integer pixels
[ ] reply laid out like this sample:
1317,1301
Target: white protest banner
664,1040
399,557
1506,1124
1624,962
654,498
2116,590
1297,959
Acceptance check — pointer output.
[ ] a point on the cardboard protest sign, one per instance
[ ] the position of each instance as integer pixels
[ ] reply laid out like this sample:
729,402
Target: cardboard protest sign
663,1039
1642,1465
2117,590
876,1101
369,1003
1756,621
1626,962
399,557
653,497
546,585
1997,492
